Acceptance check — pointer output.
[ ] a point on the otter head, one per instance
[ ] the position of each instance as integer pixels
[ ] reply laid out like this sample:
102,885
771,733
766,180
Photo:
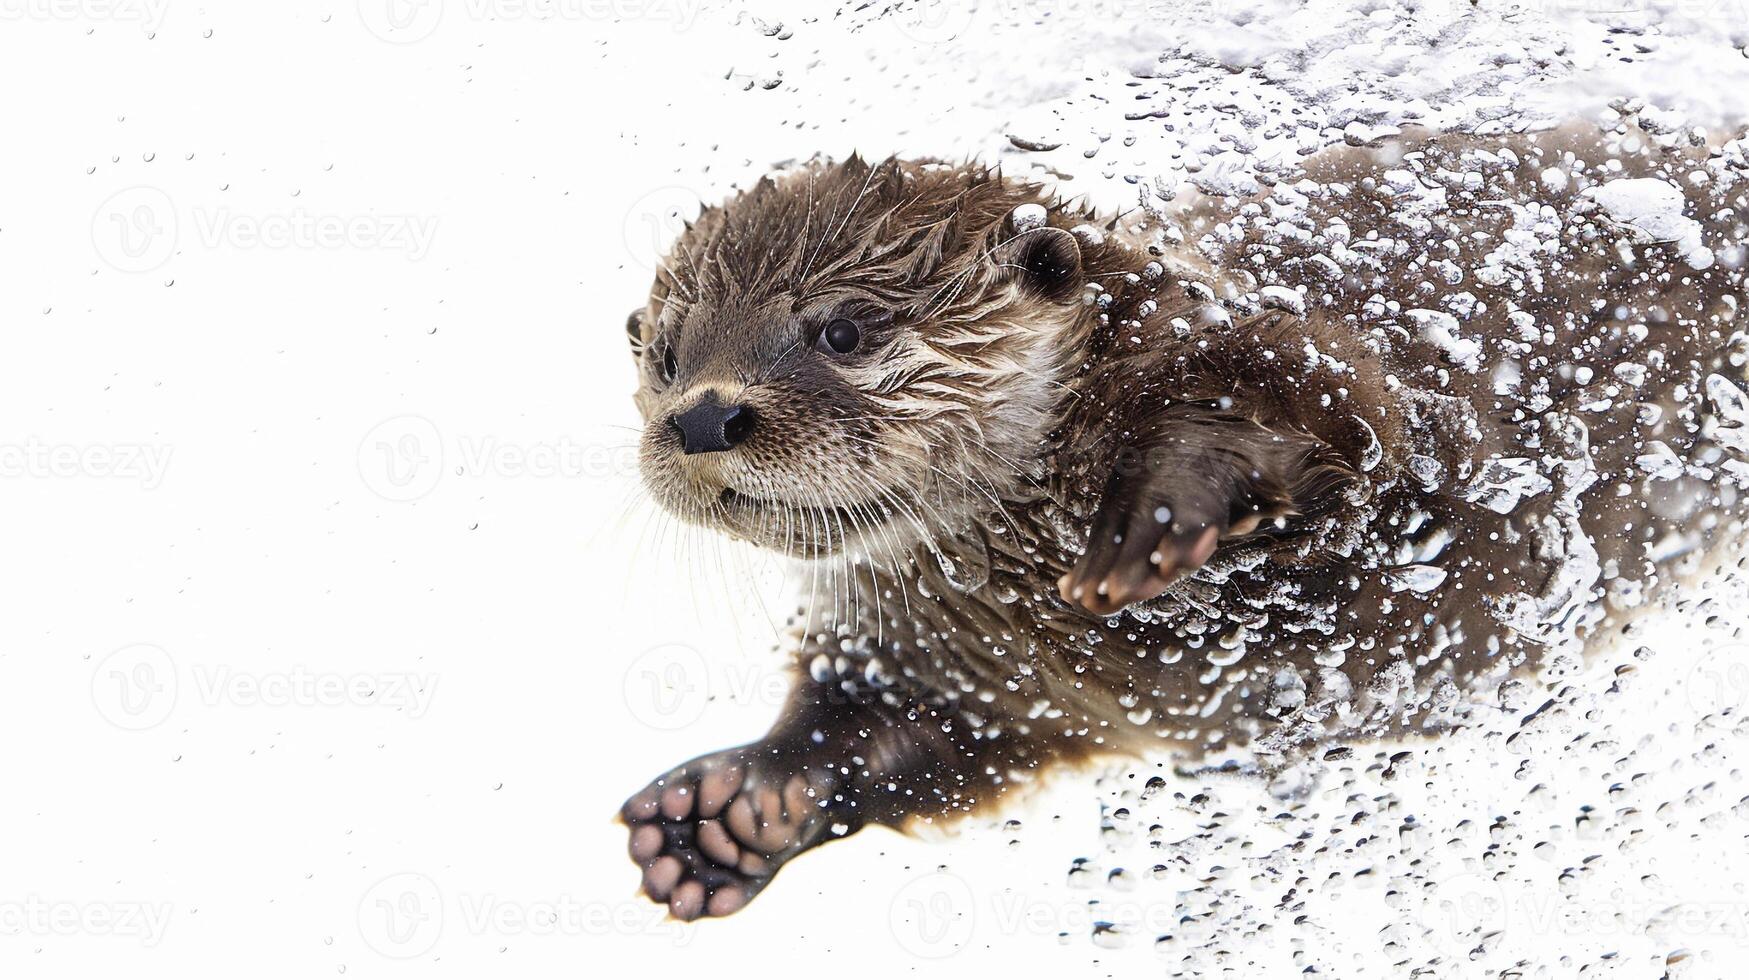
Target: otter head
856,353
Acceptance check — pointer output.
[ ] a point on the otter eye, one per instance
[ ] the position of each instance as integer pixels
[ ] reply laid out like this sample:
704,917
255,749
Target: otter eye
669,364
841,335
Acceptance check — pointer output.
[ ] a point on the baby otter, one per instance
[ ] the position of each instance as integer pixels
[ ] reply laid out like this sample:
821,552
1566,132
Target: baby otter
1314,463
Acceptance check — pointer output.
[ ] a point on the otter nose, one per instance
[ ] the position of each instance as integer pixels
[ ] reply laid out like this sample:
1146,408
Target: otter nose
712,428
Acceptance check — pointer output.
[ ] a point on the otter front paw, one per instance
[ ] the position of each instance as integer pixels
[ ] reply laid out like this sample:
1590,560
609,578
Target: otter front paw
1197,479
1139,545
712,833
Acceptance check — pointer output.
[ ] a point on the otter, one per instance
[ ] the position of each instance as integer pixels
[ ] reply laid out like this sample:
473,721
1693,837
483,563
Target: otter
1266,471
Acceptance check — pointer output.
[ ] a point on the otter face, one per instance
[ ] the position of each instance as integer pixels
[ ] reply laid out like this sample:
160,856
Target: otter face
855,356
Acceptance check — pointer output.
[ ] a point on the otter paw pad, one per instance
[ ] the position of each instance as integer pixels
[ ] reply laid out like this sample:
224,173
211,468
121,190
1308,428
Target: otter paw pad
712,833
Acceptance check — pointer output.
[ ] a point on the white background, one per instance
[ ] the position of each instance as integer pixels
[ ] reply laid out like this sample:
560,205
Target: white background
196,421
333,624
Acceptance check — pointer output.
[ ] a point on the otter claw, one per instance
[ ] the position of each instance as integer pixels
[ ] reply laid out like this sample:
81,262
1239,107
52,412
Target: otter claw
1127,577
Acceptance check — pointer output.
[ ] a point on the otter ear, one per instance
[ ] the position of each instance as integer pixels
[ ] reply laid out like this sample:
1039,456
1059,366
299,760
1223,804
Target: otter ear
635,330
1045,260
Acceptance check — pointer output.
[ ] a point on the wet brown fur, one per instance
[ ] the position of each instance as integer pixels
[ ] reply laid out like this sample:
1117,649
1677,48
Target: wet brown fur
949,475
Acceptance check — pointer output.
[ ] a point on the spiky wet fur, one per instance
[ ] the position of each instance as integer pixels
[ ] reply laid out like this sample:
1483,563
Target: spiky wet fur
952,473
947,412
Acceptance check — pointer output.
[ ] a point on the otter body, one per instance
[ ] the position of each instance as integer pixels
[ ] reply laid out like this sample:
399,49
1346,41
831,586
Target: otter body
1314,463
